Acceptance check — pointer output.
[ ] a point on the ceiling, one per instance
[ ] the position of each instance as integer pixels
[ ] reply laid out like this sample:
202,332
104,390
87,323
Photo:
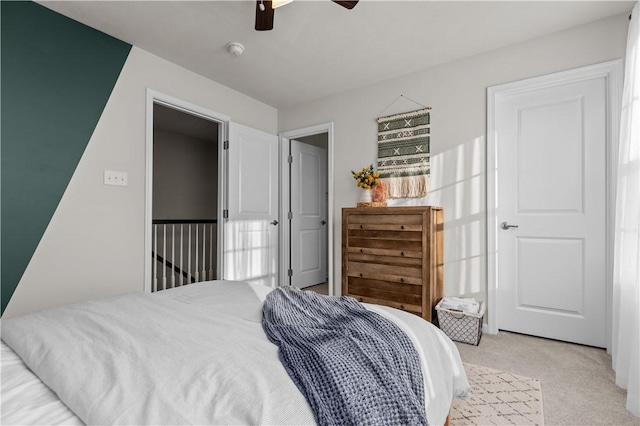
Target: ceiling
318,48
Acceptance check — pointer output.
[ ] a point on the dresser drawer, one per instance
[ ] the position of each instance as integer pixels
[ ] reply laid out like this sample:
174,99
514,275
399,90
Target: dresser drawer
400,274
386,260
386,235
374,243
413,308
385,252
414,289
398,293
385,219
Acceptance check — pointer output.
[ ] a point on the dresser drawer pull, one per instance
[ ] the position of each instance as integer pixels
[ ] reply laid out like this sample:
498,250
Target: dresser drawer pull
360,274
402,227
401,253
361,251
402,307
401,280
361,226
359,299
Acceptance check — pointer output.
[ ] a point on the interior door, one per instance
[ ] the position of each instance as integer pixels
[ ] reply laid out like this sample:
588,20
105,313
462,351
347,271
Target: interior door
551,210
251,233
309,210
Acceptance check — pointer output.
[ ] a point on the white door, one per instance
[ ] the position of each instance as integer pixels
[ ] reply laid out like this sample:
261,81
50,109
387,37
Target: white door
251,229
551,203
309,210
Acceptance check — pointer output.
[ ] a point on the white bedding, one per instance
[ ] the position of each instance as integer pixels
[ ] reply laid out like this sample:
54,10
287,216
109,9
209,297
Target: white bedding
191,355
25,399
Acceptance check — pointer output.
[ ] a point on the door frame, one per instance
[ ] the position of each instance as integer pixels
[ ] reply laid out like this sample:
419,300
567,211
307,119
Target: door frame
285,137
612,73
156,97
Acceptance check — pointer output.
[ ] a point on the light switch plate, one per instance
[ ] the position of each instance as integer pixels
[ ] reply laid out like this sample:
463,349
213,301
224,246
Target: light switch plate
116,178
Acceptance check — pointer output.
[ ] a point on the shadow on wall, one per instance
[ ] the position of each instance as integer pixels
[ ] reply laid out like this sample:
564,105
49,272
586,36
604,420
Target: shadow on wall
458,184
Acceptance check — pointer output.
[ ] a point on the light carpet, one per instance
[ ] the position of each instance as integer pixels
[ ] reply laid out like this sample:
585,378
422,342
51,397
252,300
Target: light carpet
498,398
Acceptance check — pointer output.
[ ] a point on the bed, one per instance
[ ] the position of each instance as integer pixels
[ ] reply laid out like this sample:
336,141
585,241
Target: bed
190,355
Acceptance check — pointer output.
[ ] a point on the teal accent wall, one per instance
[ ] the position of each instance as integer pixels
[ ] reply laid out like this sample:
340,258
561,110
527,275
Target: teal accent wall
56,78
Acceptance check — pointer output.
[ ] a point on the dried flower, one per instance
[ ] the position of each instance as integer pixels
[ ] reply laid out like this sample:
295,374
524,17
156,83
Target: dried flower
366,178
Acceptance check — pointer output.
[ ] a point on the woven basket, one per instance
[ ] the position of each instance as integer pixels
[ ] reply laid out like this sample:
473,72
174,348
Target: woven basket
464,327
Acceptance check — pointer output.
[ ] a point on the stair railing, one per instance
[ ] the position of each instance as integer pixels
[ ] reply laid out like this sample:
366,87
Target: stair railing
183,252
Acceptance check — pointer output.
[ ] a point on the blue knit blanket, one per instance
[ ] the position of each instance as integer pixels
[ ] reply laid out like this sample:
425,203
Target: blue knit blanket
354,366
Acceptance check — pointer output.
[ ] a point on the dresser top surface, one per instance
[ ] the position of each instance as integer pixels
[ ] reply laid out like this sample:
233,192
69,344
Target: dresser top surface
389,210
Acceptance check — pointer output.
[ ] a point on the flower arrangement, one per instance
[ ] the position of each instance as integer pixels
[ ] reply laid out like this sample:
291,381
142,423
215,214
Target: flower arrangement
366,178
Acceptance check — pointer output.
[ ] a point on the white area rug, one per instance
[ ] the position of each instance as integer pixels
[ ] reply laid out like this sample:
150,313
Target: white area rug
498,398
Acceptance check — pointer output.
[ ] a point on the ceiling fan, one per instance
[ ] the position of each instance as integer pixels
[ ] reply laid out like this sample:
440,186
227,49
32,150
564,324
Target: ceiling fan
265,11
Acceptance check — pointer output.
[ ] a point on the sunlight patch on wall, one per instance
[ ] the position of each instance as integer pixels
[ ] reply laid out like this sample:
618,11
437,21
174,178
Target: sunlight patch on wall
458,184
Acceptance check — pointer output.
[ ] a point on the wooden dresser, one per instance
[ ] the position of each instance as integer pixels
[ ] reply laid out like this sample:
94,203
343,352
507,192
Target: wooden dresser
393,256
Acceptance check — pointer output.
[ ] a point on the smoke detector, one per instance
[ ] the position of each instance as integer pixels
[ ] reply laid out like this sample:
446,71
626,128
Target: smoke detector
235,48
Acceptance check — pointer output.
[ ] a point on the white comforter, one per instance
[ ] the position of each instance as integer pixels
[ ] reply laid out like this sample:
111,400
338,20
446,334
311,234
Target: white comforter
191,355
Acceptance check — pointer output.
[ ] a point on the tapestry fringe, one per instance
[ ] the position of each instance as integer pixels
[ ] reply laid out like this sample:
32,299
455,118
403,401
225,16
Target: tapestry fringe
407,187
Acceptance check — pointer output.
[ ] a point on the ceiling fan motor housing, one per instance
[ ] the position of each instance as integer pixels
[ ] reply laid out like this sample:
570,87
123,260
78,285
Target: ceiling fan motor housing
264,11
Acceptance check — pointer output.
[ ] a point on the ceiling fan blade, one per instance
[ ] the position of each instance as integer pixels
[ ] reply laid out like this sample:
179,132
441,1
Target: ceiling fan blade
347,4
264,18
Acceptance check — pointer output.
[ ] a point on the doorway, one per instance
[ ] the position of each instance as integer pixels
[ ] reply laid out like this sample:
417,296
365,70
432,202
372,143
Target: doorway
307,201
549,150
185,195
185,190
308,206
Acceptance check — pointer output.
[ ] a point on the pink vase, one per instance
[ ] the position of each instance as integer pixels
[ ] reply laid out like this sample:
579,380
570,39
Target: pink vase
379,194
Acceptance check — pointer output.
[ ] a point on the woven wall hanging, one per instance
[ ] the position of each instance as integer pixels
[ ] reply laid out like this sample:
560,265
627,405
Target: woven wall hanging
404,161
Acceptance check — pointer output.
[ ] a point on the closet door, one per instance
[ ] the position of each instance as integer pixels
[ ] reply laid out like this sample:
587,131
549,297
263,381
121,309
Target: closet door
251,228
551,206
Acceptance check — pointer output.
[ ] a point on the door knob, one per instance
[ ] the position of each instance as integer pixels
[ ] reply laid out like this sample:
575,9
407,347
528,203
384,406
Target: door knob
506,226
275,222
324,222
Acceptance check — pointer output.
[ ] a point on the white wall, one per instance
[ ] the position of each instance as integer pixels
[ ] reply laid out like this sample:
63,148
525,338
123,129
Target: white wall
457,94
94,244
